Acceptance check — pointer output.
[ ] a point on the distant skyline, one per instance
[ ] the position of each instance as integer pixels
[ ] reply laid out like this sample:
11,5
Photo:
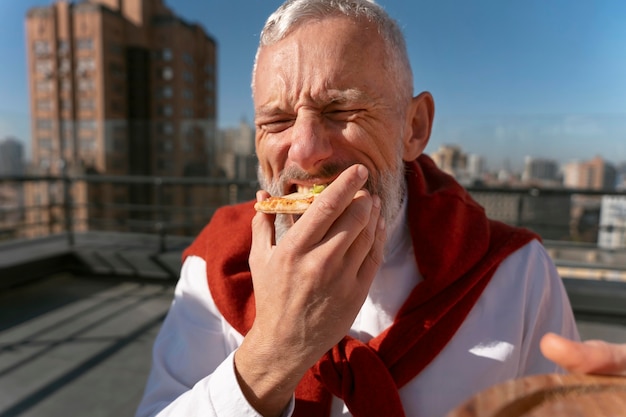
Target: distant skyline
510,79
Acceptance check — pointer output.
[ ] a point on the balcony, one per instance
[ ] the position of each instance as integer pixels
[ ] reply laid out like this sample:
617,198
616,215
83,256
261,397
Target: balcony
88,265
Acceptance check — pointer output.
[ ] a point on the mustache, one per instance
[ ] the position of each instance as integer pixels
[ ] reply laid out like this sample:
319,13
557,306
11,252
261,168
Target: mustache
328,170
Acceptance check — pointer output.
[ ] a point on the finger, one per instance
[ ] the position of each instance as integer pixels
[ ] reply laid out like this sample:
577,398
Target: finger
374,258
329,205
353,231
364,239
262,235
593,356
262,195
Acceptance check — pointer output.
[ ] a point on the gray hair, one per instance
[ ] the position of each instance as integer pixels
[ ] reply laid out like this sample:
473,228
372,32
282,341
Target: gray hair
293,13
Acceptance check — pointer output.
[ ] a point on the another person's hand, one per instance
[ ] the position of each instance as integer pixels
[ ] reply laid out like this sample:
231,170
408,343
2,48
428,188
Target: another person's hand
589,357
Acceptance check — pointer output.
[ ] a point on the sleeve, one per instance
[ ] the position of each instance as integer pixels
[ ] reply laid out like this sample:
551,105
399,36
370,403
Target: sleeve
547,308
193,370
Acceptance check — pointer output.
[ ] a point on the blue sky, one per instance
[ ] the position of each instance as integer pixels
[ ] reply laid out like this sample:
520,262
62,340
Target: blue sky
540,78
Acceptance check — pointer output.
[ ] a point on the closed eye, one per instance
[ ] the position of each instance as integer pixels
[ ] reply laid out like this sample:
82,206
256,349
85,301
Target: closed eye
342,115
276,126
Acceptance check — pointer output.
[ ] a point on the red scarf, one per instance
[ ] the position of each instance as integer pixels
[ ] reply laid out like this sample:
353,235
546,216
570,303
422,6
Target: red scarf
457,250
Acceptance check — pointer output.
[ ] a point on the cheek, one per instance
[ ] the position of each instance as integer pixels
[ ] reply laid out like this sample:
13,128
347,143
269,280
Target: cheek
271,155
379,147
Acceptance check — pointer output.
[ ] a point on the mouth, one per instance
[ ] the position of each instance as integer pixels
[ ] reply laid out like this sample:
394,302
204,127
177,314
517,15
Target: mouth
295,180
307,189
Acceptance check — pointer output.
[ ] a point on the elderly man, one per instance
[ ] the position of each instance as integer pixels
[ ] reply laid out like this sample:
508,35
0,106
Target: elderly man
392,294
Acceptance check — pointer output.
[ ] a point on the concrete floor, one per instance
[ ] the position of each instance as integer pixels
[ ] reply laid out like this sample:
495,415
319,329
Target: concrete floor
72,346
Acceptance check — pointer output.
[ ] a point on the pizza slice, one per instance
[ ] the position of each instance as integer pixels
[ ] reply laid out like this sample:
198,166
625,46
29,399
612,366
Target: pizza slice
294,203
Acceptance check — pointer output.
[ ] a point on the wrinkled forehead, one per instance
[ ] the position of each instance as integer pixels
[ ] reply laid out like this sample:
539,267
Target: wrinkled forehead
326,50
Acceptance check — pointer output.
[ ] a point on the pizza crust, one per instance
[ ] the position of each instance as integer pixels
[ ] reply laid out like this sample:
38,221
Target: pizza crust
295,203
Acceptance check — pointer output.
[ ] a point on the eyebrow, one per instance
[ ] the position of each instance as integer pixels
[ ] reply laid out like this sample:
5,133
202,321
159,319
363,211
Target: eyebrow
347,95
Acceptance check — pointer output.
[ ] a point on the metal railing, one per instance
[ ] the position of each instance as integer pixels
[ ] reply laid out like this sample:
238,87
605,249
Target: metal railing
36,206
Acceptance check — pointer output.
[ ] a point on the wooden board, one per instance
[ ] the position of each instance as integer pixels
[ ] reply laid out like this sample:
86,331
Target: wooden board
570,395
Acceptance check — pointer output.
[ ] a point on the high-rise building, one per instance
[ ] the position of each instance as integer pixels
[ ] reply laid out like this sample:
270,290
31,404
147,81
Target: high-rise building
11,157
236,154
11,193
540,171
451,159
120,87
475,167
595,174
620,183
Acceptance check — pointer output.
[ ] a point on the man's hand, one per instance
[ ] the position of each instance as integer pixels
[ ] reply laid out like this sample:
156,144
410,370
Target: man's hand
590,357
308,288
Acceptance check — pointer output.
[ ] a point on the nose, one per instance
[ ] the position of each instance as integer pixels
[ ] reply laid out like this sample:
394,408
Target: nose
310,142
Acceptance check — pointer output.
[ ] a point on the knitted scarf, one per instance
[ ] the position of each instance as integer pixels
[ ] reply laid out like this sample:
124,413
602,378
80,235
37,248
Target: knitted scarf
457,250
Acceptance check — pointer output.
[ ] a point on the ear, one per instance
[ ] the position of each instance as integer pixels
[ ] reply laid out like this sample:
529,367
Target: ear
419,123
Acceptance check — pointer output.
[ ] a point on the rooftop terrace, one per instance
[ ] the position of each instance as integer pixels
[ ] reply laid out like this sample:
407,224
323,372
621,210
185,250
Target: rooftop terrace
79,312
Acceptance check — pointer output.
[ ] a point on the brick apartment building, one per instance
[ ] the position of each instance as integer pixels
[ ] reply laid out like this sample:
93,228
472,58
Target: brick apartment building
118,87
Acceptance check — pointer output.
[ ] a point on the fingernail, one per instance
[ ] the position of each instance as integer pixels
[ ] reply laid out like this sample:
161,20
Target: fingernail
376,201
362,172
381,222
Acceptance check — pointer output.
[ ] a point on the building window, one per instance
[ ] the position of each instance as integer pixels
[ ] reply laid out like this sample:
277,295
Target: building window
63,47
187,94
166,110
85,84
87,124
43,85
164,164
44,104
45,143
66,104
44,66
188,76
167,73
84,44
166,128
44,124
165,92
86,104
85,64
41,47
187,58
166,145
209,69
116,69
209,85
87,143
167,54
67,126
188,112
